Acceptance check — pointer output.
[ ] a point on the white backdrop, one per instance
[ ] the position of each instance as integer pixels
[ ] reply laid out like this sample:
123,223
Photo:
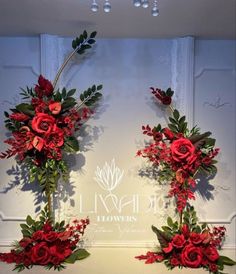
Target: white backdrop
203,75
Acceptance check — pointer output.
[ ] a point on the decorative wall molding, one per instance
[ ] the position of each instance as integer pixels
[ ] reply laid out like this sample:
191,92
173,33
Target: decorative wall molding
203,70
49,55
5,218
16,66
183,75
221,221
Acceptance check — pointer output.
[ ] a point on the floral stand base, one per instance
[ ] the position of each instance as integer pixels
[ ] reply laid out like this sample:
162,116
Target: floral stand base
47,244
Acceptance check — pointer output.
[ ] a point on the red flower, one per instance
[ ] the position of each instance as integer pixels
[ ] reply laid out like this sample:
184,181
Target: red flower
174,261
38,143
25,242
40,254
168,133
211,253
168,249
191,256
55,138
47,227
44,87
43,123
20,117
213,268
38,235
182,149
161,96
60,251
178,241
55,108
195,238
181,175
51,236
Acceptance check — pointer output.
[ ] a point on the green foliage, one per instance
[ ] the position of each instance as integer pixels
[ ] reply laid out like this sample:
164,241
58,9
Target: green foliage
26,109
79,254
84,42
71,144
178,124
91,95
162,236
28,93
48,174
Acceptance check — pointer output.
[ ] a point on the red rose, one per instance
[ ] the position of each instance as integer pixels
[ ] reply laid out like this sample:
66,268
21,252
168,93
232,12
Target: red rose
38,143
40,254
191,256
174,261
60,251
47,227
168,133
168,249
51,236
195,238
44,87
166,100
178,241
20,117
182,149
211,253
213,268
25,242
38,235
55,108
43,123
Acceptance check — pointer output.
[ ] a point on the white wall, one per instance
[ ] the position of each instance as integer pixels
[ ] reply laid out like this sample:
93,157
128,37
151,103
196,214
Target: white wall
199,71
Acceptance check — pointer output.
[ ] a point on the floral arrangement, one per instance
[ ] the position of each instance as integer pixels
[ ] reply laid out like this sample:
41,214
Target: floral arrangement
43,129
179,154
48,244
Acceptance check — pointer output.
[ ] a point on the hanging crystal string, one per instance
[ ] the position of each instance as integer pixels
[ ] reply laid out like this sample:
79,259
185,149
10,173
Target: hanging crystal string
155,10
107,6
94,6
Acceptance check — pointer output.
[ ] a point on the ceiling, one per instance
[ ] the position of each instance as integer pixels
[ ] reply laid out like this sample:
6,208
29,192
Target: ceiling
214,19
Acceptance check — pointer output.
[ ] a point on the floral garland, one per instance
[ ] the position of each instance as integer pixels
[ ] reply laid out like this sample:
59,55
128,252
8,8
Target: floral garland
179,154
43,130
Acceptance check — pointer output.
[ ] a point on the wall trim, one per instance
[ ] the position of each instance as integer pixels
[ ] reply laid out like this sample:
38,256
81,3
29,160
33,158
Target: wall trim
220,221
5,218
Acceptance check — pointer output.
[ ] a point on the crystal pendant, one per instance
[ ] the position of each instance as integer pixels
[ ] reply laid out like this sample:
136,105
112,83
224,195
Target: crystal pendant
145,4
94,6
107,6
137,3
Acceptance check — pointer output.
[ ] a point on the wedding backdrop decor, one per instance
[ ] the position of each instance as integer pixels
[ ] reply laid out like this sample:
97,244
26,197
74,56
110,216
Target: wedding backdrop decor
180,154
43,129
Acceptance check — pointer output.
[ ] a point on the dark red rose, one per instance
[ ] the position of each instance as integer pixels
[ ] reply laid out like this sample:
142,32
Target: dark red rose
157,136
55,107
25,242
20,117
168,249
40,254
44,87
51,236
38,235
47,227
211,253
195,238
168,133
55,260
174,261
182,149
166,100
213,268
43,123
191,256
185,230
178,241
60,251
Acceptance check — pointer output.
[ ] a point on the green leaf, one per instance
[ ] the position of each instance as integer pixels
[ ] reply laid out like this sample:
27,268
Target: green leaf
24,226
63,93
71,92
29,220
69,103
163,237
176,114
72,144
99,87
169,221
169,92
82,97
79,254
173,121
226,261
93,34
85,34
26,109
91,41
74,44
6,114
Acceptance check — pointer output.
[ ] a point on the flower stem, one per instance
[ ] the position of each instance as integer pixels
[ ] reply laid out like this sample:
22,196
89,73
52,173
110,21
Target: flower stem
180,218
171,108
63,66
